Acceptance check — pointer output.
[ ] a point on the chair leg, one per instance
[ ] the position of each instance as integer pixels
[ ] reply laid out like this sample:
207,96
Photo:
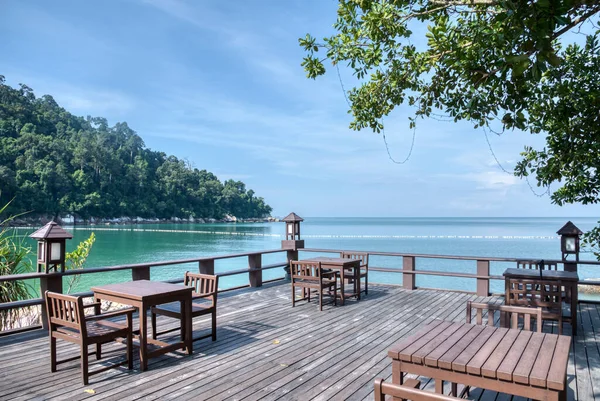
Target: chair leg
367,284
320,300
293,296
52,354
129,349
153,319
214,325
335,293
183,322
84,364
98,351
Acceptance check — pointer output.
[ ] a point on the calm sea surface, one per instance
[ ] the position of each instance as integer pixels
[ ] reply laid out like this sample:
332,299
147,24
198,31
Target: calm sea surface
508,237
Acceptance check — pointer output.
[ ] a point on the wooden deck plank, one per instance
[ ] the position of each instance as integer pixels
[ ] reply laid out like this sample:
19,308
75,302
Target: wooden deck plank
588,318
582,371
342,382
334,354
308,358
311,369
169,357
243,358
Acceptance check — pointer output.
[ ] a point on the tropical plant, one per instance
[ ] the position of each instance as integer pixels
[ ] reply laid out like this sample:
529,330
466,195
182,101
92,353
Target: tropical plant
76,260
14,259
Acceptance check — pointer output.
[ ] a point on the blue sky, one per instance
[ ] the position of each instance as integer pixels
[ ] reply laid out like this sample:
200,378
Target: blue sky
220,83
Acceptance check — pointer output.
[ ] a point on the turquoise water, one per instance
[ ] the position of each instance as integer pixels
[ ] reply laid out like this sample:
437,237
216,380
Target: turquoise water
503,237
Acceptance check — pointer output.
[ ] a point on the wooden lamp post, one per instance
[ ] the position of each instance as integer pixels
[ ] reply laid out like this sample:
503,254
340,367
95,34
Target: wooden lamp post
292,241
292,232
569,244
51,247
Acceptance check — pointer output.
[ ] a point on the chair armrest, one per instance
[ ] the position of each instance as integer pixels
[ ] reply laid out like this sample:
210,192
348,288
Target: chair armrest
92,304
120,312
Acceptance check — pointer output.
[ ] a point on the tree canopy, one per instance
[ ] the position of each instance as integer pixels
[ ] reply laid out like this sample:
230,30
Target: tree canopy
55,163
500,65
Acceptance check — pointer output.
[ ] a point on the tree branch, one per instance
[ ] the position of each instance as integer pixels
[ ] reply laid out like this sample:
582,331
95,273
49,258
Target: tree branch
575,22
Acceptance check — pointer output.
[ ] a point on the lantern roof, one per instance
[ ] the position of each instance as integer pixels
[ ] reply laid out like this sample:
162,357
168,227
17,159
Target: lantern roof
51,231
292,217
569,229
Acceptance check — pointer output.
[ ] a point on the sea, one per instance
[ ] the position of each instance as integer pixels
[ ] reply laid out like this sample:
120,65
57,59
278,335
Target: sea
533,237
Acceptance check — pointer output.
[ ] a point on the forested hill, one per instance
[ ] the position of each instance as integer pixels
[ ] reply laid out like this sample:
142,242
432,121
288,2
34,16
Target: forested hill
54,163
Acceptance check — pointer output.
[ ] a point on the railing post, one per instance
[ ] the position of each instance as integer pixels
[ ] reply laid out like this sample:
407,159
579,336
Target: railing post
141,273
291,254
207,266
483,284
408,265
50,282
255,264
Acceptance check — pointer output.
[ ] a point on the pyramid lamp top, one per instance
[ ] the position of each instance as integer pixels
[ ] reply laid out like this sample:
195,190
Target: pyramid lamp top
292,217
569,229
51,231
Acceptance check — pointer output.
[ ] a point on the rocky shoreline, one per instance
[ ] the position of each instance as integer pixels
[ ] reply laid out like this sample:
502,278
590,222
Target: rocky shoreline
70,220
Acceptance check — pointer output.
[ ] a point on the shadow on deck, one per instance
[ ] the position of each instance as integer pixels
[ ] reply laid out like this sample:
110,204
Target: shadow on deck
268,350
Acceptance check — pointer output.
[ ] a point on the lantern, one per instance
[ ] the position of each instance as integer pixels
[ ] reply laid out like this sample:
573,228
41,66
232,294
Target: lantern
292,232
51,247
569,240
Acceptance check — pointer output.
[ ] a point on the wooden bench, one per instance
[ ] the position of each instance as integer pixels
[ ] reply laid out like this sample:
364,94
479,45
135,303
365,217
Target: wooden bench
518,362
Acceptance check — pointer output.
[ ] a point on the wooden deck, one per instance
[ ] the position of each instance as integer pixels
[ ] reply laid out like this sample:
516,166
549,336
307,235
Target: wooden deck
268,350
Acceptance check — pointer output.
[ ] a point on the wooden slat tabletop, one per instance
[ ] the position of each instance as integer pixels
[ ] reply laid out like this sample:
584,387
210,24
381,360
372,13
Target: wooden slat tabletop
510,355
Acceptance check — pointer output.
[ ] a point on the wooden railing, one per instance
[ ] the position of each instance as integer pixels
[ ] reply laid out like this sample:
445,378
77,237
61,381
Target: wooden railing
408,270
141,271
481,267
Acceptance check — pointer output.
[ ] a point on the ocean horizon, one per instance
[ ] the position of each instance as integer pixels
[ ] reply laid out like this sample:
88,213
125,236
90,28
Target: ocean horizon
511,237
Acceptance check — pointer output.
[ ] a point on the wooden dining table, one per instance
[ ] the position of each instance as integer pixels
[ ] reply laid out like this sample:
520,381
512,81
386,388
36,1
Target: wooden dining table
518,362
341,264
143,294
569,280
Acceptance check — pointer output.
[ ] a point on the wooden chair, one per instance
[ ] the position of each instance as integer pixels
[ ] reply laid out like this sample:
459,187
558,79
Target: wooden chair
546,294
205,289
509,315
364,269
67,321
310,276
407,391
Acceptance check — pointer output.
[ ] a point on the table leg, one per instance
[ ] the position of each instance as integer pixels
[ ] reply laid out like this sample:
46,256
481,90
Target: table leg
143,338
182,324
342,288
357,282
397,376
188,325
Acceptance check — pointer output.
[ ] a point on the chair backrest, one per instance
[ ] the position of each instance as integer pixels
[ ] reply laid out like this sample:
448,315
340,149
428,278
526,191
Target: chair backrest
362,256
407,393
536,293
509,315
65,310
306,270
535,265
203,284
